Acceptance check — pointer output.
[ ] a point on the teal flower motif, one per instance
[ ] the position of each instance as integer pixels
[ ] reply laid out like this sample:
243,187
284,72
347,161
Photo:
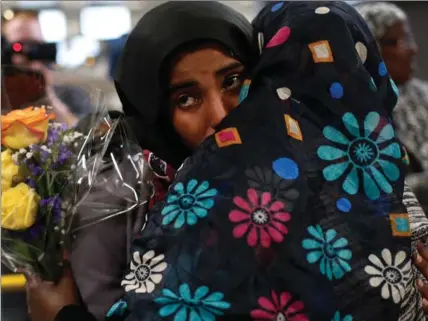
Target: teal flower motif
186,204
202,306
337,317
330,250
118,309
368,154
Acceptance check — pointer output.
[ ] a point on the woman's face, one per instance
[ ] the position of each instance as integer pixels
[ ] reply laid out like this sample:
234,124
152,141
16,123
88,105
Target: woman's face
204,87
399,50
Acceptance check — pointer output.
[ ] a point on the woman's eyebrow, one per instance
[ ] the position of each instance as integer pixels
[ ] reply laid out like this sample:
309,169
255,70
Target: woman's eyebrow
182,85
229,67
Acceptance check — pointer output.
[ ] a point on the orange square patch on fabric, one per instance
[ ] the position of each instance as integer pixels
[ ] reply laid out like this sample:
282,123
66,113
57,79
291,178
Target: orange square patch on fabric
293,127
400,224
227,137
321,51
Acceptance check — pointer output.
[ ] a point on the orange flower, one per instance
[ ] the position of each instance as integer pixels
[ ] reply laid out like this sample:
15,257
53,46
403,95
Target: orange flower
23,127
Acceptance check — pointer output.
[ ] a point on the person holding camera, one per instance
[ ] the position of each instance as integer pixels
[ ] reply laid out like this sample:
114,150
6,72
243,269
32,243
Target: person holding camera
69,102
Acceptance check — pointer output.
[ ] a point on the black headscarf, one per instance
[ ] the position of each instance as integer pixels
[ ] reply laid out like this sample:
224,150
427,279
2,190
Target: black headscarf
149,47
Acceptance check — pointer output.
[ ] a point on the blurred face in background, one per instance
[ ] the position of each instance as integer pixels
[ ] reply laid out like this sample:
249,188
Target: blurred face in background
399,50
204,87
24,28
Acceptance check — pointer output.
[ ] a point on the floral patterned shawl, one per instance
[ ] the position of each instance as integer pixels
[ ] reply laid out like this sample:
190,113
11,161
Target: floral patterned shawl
294,209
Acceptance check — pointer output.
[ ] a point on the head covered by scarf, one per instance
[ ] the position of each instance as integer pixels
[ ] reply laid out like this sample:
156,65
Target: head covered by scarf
293,209
149,49
380,16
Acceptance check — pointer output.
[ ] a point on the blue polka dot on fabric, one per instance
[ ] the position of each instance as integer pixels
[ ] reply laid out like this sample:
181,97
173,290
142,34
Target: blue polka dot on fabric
382,69
336,90
277,6
394,87
343,205
286,168
372,85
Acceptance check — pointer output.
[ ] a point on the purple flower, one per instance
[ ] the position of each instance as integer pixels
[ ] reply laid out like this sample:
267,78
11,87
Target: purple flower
30,182
52,203
45,155
63,155
34,148
35,170
52,138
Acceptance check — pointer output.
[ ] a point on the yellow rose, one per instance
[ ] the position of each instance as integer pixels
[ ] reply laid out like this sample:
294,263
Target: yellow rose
9,170
19,207
23,127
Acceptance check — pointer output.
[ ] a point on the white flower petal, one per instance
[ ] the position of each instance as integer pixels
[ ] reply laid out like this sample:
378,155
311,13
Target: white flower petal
150,287
130,276
156,278
401,289
387,257
131,287
159,268
406,269
147,256
376,281
395,294
142,289
133,266
371,270
157,259
136,257
399,258
385,291
125,282
375,260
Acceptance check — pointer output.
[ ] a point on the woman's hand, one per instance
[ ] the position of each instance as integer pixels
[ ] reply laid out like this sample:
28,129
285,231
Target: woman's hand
421,262
46,299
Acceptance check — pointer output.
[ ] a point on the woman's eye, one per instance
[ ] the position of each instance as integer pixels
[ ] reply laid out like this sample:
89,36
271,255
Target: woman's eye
186,101
232,82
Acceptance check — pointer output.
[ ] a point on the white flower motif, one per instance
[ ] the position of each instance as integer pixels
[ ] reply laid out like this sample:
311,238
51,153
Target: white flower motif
393,277
145,272
29,155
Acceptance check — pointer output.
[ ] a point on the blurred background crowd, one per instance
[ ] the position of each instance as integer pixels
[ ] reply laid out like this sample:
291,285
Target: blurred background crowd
69,50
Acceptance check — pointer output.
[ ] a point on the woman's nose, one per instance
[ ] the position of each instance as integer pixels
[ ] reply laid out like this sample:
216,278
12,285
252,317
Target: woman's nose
216,110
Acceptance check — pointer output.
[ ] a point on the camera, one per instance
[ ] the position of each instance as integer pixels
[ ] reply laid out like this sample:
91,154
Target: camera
45,52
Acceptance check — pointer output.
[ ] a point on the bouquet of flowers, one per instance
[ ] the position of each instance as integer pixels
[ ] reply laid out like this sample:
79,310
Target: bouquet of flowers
48,171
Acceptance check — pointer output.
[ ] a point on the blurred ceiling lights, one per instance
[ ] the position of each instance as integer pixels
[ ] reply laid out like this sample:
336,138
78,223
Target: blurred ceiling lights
8,14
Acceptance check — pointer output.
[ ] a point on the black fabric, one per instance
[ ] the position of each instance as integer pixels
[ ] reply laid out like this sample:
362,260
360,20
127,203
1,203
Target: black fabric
74,313
294,209
146,52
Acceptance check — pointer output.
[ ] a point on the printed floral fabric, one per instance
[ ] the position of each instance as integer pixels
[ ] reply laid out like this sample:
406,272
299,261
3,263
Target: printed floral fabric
293,210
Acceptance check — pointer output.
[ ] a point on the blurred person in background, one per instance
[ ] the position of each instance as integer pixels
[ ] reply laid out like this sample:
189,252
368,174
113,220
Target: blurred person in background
69,102
390,26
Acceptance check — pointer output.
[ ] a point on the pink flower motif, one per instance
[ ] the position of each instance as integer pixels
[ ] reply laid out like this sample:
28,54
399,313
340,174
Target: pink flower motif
279,309
280,37
262,219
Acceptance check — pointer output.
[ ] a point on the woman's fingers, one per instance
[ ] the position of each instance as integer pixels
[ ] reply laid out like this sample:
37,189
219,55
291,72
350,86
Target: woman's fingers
421,259
423,289
422,250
